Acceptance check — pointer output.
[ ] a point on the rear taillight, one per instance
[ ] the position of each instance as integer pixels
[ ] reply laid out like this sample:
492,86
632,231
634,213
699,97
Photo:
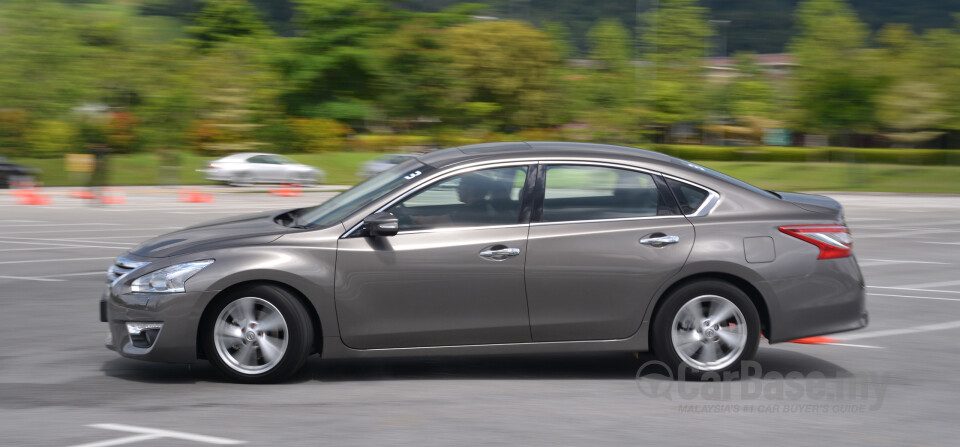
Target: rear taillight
833,240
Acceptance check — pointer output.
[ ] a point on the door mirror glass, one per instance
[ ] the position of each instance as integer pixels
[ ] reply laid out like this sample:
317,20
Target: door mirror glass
381,224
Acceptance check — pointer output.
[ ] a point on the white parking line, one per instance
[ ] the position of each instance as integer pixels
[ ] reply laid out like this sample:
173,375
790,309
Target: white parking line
120,441
904,331
146,434
67,247
98,230
121,247
78,239
940,243
53,278
915,297
927,285
58,225
55,260
900,261
854,346
913,289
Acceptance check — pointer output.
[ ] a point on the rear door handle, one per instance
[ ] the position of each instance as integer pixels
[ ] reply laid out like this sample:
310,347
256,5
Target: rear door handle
659,241
499,252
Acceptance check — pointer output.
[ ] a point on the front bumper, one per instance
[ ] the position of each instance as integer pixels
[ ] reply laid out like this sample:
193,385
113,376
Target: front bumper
177,340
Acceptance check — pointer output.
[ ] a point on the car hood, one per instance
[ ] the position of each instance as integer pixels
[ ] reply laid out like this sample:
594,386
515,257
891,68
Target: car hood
256,228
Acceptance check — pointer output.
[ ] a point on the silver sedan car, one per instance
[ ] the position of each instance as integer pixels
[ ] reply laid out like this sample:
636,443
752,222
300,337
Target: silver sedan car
250,167
381,163
493,249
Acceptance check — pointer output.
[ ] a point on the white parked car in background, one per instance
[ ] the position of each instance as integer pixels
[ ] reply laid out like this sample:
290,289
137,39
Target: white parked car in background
382,163
249,168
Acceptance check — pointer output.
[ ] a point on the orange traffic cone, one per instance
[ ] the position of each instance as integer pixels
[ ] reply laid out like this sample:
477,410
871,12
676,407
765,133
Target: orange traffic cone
815,341
288,190
189,196
113,196
83,194
31,196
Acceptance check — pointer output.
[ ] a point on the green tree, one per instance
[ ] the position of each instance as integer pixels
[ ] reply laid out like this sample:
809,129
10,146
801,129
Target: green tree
414,75
223,20
835,88
505,70
331,70
674,37
610,45
44,69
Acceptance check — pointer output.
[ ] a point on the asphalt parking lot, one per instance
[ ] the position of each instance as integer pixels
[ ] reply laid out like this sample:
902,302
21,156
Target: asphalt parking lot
893,383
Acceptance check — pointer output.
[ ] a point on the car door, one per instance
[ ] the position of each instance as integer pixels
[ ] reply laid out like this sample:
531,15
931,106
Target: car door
262,168
453,275
602,241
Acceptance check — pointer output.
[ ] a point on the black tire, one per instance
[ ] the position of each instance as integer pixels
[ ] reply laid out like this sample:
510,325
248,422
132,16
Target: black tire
298,334
701,291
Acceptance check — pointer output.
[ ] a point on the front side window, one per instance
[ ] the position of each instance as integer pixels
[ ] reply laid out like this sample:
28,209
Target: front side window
576,193
340,207
474,199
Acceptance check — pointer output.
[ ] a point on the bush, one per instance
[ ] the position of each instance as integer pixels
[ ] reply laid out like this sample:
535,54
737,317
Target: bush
318,135
49,139
388,143
932,157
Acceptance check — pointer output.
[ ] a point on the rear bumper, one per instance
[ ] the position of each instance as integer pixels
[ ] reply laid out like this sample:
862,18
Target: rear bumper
831,299
176,341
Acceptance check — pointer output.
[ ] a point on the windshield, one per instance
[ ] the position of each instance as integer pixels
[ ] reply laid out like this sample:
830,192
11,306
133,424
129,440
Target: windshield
724,177
350,201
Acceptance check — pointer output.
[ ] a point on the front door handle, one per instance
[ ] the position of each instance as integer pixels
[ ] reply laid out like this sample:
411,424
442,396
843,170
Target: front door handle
499,252
659,241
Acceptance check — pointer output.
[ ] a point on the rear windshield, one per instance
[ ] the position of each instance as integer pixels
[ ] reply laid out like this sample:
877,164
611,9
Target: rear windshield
724,177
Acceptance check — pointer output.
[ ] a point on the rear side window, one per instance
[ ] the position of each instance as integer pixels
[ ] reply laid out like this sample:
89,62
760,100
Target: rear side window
576,193
689,197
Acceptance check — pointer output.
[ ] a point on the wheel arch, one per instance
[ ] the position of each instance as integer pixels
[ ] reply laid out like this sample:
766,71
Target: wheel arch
756,296
299,295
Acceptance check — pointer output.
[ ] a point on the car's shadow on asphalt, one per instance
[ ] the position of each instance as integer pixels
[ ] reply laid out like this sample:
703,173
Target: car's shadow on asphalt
771,363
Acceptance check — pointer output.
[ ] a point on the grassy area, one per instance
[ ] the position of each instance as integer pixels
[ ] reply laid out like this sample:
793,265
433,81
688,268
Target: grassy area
843,176
142,169
341,168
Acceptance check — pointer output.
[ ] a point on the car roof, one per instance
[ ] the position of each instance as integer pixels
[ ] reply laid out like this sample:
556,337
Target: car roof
242,156
527,149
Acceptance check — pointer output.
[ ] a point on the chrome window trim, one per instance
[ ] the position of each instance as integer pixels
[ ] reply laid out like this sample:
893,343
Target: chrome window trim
614,219
705,208
439,176
446,229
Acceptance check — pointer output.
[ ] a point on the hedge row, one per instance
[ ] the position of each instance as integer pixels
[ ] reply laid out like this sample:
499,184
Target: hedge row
932,157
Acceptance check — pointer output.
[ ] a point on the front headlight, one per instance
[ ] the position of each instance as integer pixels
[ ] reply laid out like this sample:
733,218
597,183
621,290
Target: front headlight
169,279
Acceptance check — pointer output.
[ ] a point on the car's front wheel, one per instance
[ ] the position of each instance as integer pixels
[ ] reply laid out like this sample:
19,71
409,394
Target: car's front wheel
258,334
706,326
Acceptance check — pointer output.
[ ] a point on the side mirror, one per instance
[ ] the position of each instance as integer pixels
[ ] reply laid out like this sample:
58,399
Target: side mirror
381,224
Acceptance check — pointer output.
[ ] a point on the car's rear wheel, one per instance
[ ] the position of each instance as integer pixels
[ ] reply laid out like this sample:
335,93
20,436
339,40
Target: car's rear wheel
706,326
259,334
